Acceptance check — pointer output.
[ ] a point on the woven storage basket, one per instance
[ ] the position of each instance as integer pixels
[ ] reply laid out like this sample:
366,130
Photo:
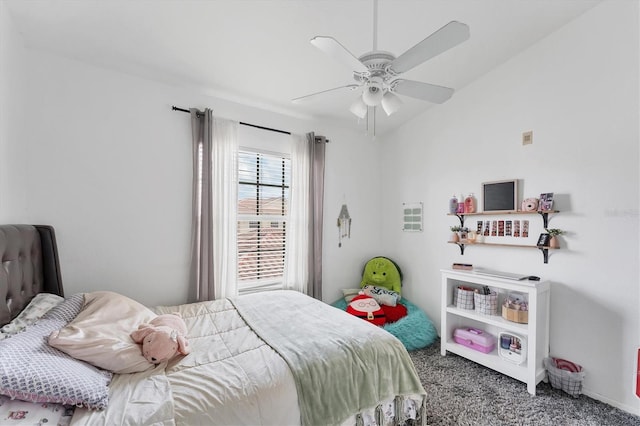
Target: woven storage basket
565,375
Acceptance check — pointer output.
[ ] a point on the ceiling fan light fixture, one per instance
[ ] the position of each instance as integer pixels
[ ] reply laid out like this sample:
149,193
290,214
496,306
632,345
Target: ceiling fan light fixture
359,108
373,92
391,102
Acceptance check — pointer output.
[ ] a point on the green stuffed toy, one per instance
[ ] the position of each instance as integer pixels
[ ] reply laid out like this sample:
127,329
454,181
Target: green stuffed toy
382,272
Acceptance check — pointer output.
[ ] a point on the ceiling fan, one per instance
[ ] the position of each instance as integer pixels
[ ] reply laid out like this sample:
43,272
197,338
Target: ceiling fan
377,71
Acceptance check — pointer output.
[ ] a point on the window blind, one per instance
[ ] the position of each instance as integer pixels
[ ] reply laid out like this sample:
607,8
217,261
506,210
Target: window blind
263,200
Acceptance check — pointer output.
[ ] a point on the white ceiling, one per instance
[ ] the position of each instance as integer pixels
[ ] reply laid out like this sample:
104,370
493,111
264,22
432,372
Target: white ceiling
257,52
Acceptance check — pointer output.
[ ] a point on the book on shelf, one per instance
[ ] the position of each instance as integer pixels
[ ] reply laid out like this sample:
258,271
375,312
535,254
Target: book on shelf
463,266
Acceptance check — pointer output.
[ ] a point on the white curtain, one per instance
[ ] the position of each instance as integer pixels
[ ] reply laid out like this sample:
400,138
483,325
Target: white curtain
213,263
296,271
224,182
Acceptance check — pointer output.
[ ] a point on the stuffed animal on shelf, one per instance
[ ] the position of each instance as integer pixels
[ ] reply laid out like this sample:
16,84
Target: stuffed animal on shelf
162,338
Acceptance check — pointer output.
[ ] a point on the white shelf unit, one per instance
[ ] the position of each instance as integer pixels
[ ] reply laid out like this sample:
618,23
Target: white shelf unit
536,332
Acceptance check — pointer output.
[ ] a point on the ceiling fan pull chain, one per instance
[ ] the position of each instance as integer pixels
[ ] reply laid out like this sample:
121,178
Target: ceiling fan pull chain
374,122
368,109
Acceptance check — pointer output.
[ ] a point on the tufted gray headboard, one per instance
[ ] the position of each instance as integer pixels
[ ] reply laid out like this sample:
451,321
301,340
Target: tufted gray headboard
30,265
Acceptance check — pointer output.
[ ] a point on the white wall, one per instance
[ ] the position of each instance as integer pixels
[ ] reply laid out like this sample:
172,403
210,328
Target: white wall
578,91
11,106
109,166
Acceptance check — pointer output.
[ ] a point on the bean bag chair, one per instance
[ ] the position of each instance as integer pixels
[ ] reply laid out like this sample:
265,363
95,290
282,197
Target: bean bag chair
382,280
415,331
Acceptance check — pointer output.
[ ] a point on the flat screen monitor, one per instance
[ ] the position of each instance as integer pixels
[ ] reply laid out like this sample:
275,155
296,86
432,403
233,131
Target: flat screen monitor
500,195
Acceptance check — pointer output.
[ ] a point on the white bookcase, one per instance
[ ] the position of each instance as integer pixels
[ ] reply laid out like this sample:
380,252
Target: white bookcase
536,332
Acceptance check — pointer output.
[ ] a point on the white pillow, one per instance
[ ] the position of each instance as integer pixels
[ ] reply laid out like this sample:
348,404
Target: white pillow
382,295
100,334
350,293
37,307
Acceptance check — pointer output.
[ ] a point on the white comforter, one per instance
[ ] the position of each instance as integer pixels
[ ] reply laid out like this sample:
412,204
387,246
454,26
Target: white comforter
233,377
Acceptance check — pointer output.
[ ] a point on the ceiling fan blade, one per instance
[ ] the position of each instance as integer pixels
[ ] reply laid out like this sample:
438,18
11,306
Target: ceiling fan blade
444,39
307,97
422,91
338,52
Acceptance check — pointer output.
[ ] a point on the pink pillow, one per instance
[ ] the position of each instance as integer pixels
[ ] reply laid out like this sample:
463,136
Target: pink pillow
100,333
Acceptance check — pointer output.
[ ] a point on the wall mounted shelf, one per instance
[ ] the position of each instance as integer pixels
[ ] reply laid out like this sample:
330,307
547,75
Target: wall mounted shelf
545,220
545,215
544,249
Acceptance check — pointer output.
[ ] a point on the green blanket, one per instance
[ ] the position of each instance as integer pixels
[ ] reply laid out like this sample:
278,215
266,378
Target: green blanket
341,364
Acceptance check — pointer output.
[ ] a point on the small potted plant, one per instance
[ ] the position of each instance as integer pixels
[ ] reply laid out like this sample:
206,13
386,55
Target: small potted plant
454,236
553,241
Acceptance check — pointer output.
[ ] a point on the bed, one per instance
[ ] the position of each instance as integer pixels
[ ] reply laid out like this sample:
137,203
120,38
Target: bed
277,357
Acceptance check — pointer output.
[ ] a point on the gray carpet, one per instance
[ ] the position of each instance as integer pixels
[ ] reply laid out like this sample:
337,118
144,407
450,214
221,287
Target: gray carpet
461,392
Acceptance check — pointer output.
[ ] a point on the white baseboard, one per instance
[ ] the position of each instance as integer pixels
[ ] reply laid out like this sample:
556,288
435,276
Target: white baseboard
633,410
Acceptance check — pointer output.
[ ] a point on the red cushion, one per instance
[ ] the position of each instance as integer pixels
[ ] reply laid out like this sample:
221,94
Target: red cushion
394,313
367,308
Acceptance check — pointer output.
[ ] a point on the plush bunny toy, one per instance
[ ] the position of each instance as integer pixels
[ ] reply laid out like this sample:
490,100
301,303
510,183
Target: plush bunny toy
162,338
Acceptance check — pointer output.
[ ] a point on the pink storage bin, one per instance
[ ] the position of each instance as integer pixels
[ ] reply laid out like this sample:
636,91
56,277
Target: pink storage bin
475,339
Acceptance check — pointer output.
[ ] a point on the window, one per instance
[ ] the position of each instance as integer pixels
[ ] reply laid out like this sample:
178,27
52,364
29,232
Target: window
263,197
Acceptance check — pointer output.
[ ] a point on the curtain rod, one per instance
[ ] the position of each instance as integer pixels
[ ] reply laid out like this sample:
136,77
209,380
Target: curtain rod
175,108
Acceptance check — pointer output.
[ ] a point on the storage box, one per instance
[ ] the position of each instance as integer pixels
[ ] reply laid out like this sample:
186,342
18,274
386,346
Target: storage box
515,315
512,347
474,338
516,308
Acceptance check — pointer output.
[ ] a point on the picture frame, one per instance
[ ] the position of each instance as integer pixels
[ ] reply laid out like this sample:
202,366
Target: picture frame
543,240
412,214
546,202
500,196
